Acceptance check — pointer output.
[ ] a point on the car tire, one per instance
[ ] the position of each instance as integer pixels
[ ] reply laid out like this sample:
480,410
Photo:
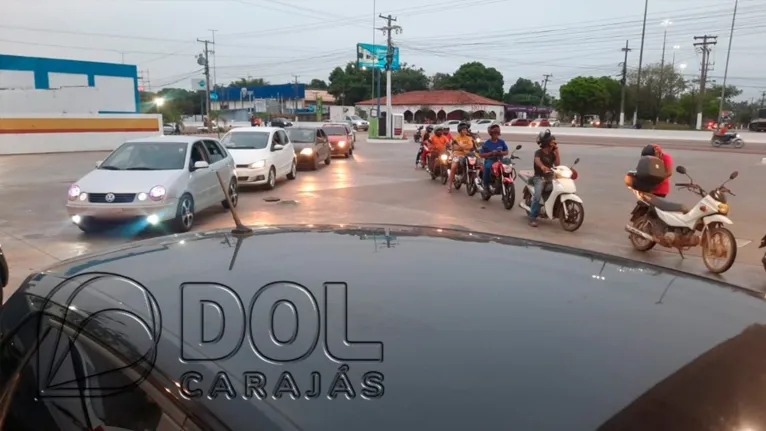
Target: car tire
293,174
90,225
184,220
328,160
271,180
233,194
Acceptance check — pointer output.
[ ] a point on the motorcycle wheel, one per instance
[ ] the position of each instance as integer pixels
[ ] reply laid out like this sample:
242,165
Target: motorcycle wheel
470,185
444,176
458,184
510,197
716,143
576,215
486,193
639,243
739,143
709,246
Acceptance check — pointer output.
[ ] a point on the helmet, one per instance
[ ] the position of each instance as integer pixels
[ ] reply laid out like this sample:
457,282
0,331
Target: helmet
430,129
462,126
544,136
492,128
651,150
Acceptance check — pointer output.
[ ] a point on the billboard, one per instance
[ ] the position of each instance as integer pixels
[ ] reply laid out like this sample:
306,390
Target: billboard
374,56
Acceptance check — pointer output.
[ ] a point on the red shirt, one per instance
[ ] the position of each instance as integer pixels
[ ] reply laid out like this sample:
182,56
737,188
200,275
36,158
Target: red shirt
664,187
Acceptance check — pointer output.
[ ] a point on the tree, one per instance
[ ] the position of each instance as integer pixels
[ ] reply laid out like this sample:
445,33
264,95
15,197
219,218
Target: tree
524,92
352,84
248,82
408,78
317,84
583,95
476,78
441,81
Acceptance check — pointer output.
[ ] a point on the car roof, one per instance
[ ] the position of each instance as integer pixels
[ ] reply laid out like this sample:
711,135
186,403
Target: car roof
255,129
188,139
605,340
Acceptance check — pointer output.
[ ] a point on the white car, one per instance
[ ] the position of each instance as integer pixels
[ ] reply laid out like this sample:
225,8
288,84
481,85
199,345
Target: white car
261,155
356,122
154,180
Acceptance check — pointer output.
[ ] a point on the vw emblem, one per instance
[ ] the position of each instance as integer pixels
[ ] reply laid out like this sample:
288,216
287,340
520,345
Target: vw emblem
109,197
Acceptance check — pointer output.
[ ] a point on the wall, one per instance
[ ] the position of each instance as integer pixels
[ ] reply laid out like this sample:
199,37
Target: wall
66,86
30,133
499,110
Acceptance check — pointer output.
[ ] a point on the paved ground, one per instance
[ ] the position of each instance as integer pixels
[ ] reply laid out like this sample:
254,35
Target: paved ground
380,185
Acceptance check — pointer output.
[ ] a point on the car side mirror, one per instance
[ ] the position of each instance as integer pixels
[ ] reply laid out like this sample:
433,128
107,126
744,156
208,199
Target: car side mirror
518,147
277,147
733,175
201,165
681,170
98,163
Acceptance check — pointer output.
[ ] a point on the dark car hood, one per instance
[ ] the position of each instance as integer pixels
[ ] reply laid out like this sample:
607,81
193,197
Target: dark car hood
477,330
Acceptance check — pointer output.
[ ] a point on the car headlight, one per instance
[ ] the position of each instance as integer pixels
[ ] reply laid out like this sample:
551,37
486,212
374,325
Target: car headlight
83,196
307,151
74,192
342,144
157,193
258,164
142,196
723,209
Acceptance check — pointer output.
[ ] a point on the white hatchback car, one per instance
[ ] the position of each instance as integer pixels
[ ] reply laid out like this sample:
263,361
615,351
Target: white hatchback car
153,180
261,154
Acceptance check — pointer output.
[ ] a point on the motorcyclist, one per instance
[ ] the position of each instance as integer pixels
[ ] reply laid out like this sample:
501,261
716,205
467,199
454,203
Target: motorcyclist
655,150
491,151
420,158
462,144
546,136
446,132
436,145
545,158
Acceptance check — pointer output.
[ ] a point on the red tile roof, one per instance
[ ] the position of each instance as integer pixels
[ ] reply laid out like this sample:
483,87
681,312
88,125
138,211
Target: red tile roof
434,97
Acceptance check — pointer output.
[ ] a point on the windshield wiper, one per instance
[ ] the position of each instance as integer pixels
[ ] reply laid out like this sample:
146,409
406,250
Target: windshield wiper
109,168
141,168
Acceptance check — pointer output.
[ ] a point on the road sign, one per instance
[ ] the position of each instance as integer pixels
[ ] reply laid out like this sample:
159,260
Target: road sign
213,96
198,84
374,56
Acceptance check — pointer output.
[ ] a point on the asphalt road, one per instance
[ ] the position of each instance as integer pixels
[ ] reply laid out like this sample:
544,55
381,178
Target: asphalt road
380,185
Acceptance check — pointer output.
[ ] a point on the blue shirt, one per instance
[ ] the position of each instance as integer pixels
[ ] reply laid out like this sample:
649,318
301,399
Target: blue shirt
490,146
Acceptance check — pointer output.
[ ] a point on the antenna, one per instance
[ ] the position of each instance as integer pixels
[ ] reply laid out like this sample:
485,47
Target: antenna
240,228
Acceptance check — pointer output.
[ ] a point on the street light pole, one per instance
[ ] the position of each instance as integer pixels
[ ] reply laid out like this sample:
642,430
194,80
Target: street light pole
726,69
640,62
665,24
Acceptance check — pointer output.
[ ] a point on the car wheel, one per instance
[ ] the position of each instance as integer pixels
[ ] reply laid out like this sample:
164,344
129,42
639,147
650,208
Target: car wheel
315,163
233,195
328,160
293,174
184,220
271,181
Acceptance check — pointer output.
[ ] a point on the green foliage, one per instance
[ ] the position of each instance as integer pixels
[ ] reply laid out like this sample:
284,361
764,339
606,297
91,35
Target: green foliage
476,78
352,84
248,82
317,84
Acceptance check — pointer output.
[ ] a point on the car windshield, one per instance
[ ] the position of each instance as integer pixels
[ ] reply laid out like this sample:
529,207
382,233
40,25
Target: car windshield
147,156
335,131
301,135
246,140
355,117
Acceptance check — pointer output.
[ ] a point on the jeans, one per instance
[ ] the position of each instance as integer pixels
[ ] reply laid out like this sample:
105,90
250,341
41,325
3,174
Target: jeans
487,172
537,184
420,153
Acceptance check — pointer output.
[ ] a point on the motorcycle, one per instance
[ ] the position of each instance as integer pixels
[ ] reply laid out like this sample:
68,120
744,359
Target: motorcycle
559,199
440,166
419,134
423,150
472,173
657,221
501,182
733,139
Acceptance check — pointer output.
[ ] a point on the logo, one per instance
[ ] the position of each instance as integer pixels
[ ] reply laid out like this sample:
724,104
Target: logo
109,197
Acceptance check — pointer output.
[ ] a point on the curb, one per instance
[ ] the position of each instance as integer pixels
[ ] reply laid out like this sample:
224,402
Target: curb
387,141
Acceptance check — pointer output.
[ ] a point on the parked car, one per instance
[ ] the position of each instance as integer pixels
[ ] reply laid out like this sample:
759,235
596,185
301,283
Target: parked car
518,122
341,139
262,155
357,123
540,122
311,144
169,128
554,122
612,343
484,123
153,180
451,124
280,122
4,273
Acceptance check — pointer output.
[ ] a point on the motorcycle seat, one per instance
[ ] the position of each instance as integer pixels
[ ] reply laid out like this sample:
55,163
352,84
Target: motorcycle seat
525,175
665,205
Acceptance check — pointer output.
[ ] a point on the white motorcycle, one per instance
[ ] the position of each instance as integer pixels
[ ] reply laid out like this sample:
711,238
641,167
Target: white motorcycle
657,221
559,199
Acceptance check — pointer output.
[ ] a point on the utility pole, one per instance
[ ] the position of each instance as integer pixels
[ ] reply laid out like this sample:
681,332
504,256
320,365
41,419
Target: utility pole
389,60
213,52
763,98
726,69
295,94
374,17
624,80
204,60
547,76
665,24
640,63
707,42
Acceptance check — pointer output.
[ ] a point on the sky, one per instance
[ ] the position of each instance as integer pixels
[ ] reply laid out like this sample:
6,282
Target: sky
279,39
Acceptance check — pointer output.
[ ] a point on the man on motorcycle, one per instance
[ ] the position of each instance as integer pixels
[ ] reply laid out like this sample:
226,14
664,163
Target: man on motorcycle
544,137
420,158
446,132
437,145
655,150
461,146
545,158
493,150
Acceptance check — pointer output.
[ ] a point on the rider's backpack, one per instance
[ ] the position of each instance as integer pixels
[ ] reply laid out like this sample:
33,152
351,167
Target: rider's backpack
650,172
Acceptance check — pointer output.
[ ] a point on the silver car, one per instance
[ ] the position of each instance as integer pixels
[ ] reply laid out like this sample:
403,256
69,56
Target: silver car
154,180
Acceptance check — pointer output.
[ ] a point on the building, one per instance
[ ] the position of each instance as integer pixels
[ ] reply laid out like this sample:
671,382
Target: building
438,106
293,100
36,85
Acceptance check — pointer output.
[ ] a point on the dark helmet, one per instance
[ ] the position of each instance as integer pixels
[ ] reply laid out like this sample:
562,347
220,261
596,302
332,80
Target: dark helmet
462,126
430,129
544,137
649,150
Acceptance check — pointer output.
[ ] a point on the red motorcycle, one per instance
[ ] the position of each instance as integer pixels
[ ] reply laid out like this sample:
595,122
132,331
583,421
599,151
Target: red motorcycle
501,182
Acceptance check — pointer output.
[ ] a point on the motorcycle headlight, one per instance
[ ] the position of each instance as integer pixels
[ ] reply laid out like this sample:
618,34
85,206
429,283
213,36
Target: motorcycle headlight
738,135
723,209
444,157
